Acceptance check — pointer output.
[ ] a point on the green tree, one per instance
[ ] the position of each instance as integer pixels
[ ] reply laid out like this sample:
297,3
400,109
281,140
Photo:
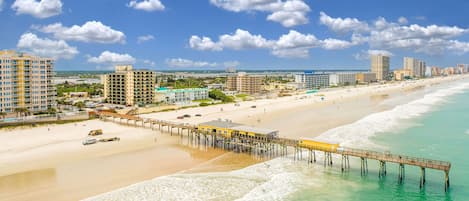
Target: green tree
3,114
80,105
219,95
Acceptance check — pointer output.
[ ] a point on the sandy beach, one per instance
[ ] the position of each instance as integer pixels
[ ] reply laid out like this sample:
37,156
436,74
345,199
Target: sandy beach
50,163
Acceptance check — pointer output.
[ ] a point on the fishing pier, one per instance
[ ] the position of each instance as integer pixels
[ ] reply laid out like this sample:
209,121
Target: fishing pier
266,142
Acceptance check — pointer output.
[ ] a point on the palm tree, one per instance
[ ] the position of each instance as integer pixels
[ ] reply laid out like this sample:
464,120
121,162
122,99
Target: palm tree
79,105
21,111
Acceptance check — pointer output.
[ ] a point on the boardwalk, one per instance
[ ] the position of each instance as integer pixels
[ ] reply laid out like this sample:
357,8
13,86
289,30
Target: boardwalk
279,147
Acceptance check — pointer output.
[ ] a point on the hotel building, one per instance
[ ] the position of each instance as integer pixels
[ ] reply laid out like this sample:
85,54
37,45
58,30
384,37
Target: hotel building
402,74
416,67
244,83
380,66
26,82
127,86
340,79
311,80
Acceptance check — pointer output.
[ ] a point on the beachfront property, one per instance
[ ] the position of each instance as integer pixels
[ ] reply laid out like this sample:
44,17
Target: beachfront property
177,96
341,79
462,68
127,86
217,86
380,66
416,67
435,71
26,82
244,83
228,129
402,74
311,80
366,77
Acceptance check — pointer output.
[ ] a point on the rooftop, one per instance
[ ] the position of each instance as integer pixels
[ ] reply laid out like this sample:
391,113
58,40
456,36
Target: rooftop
264,131
220,124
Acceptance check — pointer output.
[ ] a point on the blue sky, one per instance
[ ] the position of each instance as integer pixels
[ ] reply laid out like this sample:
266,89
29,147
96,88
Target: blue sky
249,34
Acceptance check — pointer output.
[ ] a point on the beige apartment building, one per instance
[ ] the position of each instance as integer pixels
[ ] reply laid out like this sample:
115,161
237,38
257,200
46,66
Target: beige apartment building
127,86
244,83
366,77
416,67
380,66
401,74
26,82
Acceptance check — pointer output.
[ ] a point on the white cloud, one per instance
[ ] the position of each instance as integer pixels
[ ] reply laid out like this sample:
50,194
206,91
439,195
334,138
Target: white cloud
365,55
343,25
38,9
1,5
149,63
145,38
336,44
179,62
147,5
91,31
231,64
203,43
242,39
111,58
57,49
381,34
293,44
402,20
288,13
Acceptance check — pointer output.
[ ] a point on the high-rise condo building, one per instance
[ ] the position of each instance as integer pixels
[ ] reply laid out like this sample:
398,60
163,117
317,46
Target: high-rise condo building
244,83
416,67
380,66
127,86
26,82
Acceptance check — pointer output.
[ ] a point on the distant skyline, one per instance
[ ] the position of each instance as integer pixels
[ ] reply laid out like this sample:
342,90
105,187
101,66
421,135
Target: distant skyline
249,34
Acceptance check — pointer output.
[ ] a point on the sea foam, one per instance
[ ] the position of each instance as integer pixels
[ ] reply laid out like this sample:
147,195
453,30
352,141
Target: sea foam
358,134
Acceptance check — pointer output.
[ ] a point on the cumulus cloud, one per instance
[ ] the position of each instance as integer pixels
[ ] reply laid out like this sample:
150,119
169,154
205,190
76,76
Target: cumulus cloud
402,20
149,63
385,35
343,25
57,49
91,31
293,44
145,38
365,55
179,62
39,9
1,5
231,63
147,5
288,13
111,58
203,43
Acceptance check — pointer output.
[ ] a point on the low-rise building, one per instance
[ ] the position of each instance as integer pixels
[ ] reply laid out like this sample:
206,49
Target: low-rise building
436,71
366,77
76,94
220,87
402,74
341,79
175,96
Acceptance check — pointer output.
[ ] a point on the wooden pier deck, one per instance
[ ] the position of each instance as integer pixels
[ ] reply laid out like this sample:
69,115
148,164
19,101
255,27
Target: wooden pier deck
279,147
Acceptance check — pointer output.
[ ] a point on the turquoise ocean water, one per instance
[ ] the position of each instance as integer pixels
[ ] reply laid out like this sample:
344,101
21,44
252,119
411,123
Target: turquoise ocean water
435,125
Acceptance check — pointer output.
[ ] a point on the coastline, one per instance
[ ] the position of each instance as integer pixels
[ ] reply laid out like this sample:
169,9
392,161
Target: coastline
29,148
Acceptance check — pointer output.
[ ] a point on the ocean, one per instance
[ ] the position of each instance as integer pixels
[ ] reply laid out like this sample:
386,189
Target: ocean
434,126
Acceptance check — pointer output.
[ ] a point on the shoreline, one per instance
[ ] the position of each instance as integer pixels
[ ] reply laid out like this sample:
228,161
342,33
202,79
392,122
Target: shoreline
36,149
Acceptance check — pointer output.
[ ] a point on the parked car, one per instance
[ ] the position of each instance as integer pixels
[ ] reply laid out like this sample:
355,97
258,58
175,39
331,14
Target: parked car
180,117
198,115
89,141
187,116
253,106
